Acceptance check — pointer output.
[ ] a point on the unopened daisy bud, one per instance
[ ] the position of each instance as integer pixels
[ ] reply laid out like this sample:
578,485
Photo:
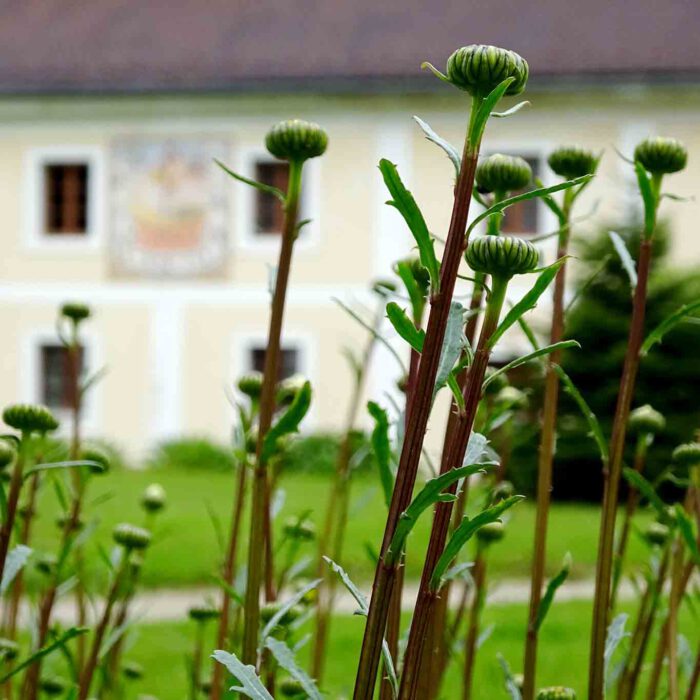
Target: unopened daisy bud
479,69
29,418
94,454
296,140
131,537
8,649
384,288
75,311
503,174
53,686
154,498
64,519
570,162
291,688
645,420
490,533
519,680
203,613
267,612
501,256
251,384
299,530
7,453
661,156
205,686
251,440
557,692
132,670
687,455
45,564
656,534
502,490
288,388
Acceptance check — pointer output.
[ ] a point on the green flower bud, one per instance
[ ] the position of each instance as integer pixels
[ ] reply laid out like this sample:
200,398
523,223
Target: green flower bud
45,564
646,420
251,384
501,256
268,611
501,173
63,520
203,613
557,692
131,537
29,418
7,453
570,162
661,156
656,534
502,490
296,530
420,274
93,454
310,596
519,681
687,455
154,498
53,686
205,687
288,388
291,688
8,649
384,288
132,670
479,69
296,140
251,440
490,533
75,311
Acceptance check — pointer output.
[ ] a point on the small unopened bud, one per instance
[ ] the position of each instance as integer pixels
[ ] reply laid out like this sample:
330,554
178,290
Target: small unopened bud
479,69
502,256
268,611
502,490
292,688
203,613
661,156
154,498
53,686
75,311
519,681
251,384
491,532
571,162
29,418
645,420
656,534
46,564
65,519
8,649
7,453
132,670
297,530
288,388
94,454
687,455
557,692
296,140
503,174
131,537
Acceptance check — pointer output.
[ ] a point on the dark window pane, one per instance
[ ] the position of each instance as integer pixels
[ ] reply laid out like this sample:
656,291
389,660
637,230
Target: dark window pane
66,188
57,390
269,213
289,362
524,216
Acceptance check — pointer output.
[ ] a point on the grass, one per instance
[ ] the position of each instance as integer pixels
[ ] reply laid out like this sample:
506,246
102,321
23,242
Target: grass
186,549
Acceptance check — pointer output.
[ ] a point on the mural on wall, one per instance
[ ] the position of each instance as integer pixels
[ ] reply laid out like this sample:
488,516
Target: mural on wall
168,207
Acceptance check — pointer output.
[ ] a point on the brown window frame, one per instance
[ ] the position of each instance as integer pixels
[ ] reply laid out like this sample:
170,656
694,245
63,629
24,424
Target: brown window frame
66,198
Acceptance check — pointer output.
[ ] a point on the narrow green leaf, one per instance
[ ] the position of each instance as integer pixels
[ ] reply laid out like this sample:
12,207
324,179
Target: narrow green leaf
687,530
446,146
403,270
484,112
511,685
16,559
93,380
668,324
268,189
251,685
404,326
457,395
382,448
648,197
452,345
616,633
585,286
285,658
528,302
463,533
562,345
406,205
554,584
289,421
285,608
625,258
74,464
513,110
637,481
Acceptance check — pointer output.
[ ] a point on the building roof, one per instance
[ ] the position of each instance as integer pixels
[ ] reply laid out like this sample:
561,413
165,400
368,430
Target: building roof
58,46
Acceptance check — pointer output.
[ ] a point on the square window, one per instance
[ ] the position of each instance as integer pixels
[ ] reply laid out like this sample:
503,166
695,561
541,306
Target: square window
55,385
289,361
524,217
269,212
66,190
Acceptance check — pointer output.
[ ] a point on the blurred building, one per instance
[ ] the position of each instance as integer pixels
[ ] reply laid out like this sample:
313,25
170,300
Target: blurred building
111,114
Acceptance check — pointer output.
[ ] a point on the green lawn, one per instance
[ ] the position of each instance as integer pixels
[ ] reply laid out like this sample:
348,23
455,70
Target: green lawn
186,551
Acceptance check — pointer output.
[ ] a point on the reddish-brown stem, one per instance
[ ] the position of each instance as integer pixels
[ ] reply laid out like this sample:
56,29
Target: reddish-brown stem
694,681
418,415
544,472
611,478
479,574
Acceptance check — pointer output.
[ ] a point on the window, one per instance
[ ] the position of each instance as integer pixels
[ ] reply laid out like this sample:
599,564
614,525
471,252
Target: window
289,361
269,213
55,385
65,199
524,217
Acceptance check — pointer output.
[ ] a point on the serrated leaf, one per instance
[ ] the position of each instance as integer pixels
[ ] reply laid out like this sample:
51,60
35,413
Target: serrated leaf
463,533
452,345
668,324
446,146
382,448
289,421
251,685
625,258
285,608
513,110
16,559
285,658
268,189
403,325
406,205
478,451
554,584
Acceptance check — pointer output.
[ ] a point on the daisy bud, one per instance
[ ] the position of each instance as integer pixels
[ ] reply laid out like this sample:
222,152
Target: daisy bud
501,256
296,140
490,533
53,686
8,649
288,388
557,692
645,420
661,156
203,613
292,688
132,670
268,611
503,174
154,498
479,69
296,530
131,537
656,534
570,162
687,455
75,311
93,454
29,418
251,384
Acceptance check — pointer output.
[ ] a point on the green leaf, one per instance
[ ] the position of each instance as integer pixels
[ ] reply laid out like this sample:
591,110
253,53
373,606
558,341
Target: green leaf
511,685
251,685
403,270
446,146
44,651
75,464
687,530
591,418
16,559
513,110
457,395
625,258
637,481
285,658
406,205
268,189
285,608
289,421
404,326
484,111
616,633
562,345
539,192
528,302
382,448
452,345
667,324
554,583
428,496
463,533
648,197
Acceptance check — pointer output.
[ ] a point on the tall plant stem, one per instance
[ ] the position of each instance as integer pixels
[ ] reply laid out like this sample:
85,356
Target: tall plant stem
418,415
694,681
427,595
545,462
259,511
612,471
473,629
197,655
12,500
